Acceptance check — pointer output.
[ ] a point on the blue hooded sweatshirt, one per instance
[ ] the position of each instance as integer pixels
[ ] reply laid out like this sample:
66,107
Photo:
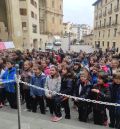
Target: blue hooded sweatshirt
9,75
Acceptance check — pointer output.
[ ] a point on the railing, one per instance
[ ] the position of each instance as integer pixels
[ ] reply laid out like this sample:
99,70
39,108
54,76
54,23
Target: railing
104,13
110,11
116,8
100,15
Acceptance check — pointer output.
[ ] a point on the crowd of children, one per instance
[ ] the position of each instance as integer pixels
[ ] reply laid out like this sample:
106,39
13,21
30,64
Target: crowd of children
94,76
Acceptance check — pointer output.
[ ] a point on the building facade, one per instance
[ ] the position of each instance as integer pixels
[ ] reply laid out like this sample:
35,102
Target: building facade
80,30
30,23
107,24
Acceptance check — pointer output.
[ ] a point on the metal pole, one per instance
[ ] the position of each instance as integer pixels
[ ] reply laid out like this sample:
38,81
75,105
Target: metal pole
18,101
69,42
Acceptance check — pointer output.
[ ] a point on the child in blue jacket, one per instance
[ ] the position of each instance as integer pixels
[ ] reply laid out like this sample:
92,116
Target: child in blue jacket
38,95
10,87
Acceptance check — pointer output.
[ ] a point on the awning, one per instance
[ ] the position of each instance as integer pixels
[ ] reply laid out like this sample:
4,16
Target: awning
6,45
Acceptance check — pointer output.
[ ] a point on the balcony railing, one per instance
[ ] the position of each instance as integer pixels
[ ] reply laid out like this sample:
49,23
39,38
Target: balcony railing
116,8
104,13
110,11
114,23
96,17
100,15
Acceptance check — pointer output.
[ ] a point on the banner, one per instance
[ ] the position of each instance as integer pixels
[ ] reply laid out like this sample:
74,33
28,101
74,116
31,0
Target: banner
6,45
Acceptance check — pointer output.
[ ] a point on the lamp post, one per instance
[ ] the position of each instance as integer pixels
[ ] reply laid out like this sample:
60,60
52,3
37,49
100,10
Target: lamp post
69,43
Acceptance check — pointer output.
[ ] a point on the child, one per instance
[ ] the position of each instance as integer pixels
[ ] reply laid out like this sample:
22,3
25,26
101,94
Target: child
38,95
115,98
66,88
53,83
2,95
100,92
83,91
26,76
10,88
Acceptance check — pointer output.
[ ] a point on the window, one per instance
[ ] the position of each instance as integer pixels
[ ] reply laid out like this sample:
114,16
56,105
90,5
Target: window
35,4
32,14
23,11
106,1
60,7
53,4
22,0
104,22
116,19
34,28
109,20
108,44
109,33
99,33
24,24
115,32
111,7
114,44
100,23
103,43
32,2
103,33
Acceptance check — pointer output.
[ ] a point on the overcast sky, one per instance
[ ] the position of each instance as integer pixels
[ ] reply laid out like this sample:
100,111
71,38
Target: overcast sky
79,11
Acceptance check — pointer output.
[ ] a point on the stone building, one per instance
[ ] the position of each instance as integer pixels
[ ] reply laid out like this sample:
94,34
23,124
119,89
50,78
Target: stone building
107,24
30,23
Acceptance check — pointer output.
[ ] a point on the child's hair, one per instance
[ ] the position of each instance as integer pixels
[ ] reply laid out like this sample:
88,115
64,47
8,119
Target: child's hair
10,61
29,62
116,75
56,68
38,66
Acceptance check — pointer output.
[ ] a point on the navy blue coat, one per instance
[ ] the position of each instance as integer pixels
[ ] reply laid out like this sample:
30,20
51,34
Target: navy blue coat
38,81
115,95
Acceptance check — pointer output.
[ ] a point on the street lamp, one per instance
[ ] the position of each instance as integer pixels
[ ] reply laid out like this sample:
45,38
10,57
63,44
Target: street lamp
69,41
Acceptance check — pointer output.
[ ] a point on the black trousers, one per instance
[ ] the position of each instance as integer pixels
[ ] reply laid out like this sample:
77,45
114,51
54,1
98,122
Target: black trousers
83,111
38,100
99,116
27,98
54,107
12,99
65,105
2,95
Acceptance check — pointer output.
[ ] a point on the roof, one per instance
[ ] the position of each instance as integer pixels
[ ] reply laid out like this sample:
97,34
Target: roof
96,2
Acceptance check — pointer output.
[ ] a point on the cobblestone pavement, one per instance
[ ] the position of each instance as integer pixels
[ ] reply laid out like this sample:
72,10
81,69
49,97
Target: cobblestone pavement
8,120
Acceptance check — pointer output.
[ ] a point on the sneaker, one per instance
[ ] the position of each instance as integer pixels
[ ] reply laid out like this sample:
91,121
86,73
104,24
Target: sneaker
56,119
1,105
105,123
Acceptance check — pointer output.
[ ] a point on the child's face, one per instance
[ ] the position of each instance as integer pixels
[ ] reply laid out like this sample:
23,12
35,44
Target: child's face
117,81
9,65
76,67
83,78
114,64
53,71
100,81
64,71
36,71
26,66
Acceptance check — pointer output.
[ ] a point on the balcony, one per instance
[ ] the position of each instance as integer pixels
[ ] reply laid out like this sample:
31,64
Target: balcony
100,15
96,17
104,13
114,23
108,25
110,11
116,8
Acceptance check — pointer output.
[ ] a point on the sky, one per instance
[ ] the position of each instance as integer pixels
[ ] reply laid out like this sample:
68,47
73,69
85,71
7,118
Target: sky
79,11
